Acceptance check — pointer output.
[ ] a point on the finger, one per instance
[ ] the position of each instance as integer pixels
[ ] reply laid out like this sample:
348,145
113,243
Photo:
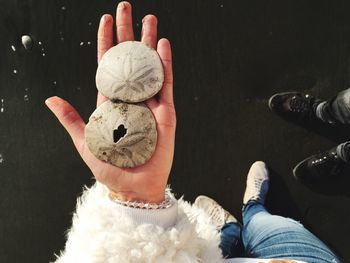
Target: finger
149,31
69,118
104,42
100,99
164,51
152,104
125,30
104,36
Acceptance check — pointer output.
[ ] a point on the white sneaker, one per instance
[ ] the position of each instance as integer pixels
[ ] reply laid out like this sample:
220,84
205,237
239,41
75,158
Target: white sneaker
217,214
257,183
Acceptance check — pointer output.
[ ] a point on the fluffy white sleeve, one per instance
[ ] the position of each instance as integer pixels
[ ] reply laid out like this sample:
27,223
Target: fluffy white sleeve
104,232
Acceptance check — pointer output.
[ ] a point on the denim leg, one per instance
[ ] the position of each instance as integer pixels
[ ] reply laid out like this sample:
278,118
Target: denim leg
270,236
250,209
343,151
335,110
231,243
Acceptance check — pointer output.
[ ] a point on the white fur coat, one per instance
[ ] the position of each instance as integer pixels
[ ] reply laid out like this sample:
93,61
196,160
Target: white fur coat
103,233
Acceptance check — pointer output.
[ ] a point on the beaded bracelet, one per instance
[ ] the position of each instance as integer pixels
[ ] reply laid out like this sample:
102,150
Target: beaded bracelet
168,202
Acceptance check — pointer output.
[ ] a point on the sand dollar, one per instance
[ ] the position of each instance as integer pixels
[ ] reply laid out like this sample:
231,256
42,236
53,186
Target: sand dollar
122,134
130,71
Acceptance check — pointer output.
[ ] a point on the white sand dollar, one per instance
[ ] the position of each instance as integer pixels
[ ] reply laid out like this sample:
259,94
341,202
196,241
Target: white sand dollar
122,134
130,71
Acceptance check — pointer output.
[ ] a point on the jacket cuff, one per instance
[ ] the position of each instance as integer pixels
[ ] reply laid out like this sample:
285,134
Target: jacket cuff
161,217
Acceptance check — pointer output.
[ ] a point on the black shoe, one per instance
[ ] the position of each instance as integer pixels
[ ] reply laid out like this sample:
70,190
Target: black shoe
319,167
294,105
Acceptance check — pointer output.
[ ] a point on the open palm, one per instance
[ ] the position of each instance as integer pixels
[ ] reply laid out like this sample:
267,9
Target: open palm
146,182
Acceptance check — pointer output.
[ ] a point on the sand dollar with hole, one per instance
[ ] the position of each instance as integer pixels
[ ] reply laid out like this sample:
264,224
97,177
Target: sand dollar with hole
122,134
130,71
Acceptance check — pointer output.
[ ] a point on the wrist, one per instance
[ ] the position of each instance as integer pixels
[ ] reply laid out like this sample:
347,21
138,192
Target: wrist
129,196
167,202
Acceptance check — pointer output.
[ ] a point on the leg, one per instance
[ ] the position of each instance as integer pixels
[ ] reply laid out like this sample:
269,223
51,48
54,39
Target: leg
230,240
323,166
343,151
304,107
270,236
230,230
335,110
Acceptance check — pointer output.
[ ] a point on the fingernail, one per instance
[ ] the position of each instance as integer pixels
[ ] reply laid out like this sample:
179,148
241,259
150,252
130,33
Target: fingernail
122,5
50,101
105,19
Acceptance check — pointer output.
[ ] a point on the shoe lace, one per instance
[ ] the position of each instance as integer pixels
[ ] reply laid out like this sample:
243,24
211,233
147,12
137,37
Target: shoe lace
258,183
330,161
300,104
217,214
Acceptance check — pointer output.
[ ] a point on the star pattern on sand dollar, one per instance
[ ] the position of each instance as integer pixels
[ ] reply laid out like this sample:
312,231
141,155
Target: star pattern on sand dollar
129,78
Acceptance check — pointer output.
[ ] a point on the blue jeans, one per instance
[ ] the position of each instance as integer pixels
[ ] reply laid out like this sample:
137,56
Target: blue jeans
269,236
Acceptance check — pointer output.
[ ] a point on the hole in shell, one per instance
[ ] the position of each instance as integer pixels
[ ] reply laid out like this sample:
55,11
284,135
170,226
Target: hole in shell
119,133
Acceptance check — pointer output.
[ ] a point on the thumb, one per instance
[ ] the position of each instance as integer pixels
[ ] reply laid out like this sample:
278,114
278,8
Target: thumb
69,118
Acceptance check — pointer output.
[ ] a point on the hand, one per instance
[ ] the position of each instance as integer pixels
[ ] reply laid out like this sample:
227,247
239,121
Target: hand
147,182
